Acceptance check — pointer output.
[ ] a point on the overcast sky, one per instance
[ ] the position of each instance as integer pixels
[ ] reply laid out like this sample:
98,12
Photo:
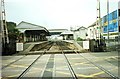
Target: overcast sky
56,14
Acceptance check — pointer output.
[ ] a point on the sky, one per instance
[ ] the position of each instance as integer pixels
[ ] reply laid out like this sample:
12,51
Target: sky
56,14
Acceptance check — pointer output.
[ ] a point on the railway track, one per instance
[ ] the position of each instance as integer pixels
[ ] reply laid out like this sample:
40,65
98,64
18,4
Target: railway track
29,67
72,70
61,46
42,47
49,64
13,62
21,76
47,47
98,66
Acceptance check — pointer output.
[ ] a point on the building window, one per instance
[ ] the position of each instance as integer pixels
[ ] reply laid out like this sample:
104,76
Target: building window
105,19
113,15
119,28
119,12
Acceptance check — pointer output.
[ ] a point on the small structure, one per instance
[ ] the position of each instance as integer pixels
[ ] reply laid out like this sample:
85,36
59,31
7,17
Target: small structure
92,31
80,32
56,31
31,32
55,34
67,35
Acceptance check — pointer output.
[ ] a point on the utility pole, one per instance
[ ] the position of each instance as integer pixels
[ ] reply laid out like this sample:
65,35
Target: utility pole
108,22
118,29
4,30
0,30
98,21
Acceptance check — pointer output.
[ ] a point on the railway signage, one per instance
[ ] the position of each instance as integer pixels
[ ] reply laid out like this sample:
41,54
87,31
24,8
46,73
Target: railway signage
86,44
19,46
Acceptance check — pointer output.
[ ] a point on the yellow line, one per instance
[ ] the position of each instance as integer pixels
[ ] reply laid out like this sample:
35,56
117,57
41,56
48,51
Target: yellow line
13,75
23,66
91,75
50,69
8,60
81,63
35,71
82,75
98,73
58,71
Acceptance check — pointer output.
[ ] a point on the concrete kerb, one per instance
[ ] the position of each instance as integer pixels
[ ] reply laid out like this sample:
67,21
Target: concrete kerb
30,47
80,49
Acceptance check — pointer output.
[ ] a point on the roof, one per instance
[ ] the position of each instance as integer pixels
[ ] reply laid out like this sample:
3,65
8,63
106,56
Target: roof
92,25
23,26
79,28
82,28
57,30
66,33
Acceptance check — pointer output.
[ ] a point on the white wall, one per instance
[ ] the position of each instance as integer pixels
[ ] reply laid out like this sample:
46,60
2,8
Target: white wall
75,35
93,32
54,37
81,33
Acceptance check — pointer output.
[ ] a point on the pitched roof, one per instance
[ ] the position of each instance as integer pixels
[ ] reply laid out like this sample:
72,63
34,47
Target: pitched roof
22,26
92,25
81,27
34,25
66,33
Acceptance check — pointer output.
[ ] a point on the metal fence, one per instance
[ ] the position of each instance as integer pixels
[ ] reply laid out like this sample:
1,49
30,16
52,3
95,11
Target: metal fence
113,44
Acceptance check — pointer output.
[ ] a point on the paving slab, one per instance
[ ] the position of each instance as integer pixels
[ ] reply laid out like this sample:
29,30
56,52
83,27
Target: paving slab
15,69
84,68
56,66
61,67
38,68
104,60
6,60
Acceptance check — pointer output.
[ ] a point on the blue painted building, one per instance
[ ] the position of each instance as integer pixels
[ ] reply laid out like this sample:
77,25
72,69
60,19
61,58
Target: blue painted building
113,24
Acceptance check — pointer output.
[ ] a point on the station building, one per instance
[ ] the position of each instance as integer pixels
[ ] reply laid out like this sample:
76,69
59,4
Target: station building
32,32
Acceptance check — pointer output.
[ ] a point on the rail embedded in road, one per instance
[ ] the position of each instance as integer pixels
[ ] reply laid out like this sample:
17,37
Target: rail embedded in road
52,47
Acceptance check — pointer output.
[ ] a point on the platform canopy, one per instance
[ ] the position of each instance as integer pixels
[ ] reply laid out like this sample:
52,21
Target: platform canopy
32,32
66,33
25,26
56,31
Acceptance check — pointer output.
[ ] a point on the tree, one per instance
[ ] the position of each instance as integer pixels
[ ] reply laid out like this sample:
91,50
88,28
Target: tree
12,31
79,39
